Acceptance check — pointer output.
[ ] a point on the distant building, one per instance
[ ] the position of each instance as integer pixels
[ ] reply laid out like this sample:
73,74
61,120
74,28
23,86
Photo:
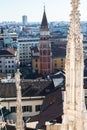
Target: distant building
8,39
24,51
24,20
33,93
45,47
35,59
58,58
8,61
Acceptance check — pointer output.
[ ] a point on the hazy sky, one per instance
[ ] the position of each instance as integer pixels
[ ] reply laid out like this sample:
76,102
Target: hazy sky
56,10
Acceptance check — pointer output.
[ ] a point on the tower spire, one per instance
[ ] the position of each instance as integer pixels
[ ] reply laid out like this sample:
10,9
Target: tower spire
45,47
74,60
44,23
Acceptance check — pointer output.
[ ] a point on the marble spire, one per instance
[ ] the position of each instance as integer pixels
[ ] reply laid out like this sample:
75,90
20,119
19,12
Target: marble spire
74,61
75,113
74,99
19,120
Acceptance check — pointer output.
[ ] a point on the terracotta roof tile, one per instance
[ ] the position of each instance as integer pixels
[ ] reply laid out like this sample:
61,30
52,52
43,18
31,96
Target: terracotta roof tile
5,53
29,88
11,51
52,108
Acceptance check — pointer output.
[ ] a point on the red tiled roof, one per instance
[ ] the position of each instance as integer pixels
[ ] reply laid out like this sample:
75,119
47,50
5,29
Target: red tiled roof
29,88
52,108
5,53
11,50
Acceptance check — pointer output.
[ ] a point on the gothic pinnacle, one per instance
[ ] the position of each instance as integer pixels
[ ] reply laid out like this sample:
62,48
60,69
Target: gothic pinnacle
75,4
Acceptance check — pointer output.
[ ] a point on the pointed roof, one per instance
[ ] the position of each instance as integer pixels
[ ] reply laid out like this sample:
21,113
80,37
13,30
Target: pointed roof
44,23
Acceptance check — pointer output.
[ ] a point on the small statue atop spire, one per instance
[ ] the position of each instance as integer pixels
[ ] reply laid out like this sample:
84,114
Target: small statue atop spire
75,4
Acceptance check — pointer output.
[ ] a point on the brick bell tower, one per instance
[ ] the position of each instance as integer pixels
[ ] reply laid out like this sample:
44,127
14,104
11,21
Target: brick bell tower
45,47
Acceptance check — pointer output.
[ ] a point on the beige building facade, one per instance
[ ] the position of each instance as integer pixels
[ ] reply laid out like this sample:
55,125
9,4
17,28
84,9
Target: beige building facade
30,106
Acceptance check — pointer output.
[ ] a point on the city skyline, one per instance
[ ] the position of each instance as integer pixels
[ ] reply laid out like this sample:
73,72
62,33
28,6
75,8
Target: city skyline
55,10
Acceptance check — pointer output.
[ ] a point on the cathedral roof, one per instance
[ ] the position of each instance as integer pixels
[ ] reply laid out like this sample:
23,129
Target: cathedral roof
44,23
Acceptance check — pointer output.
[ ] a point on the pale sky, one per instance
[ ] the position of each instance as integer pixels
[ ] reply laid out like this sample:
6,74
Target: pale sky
56,10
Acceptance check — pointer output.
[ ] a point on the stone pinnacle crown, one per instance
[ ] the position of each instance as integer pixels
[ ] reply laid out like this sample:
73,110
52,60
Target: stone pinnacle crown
75,4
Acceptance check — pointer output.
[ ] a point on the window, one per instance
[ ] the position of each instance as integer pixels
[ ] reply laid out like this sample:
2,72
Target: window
8,61
36,65
55,65
36,60
44,52
0,62
12,61
41,52
4,108
9,71
0,71
61,59
12,66
12,71
6,66
13,109
62,66
37,108
44,46
27,108
48,52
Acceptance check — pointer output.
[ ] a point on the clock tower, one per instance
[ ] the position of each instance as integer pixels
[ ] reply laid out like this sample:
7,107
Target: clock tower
45,47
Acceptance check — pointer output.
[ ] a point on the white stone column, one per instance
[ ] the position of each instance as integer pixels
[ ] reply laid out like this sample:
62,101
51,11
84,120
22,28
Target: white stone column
19,120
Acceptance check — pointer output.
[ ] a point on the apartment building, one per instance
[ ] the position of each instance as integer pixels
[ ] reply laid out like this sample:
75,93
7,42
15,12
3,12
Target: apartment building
33,93
8,61
24,51
8,39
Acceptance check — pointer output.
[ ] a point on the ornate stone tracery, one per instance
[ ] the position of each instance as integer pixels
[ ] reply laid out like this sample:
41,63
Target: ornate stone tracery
74,102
